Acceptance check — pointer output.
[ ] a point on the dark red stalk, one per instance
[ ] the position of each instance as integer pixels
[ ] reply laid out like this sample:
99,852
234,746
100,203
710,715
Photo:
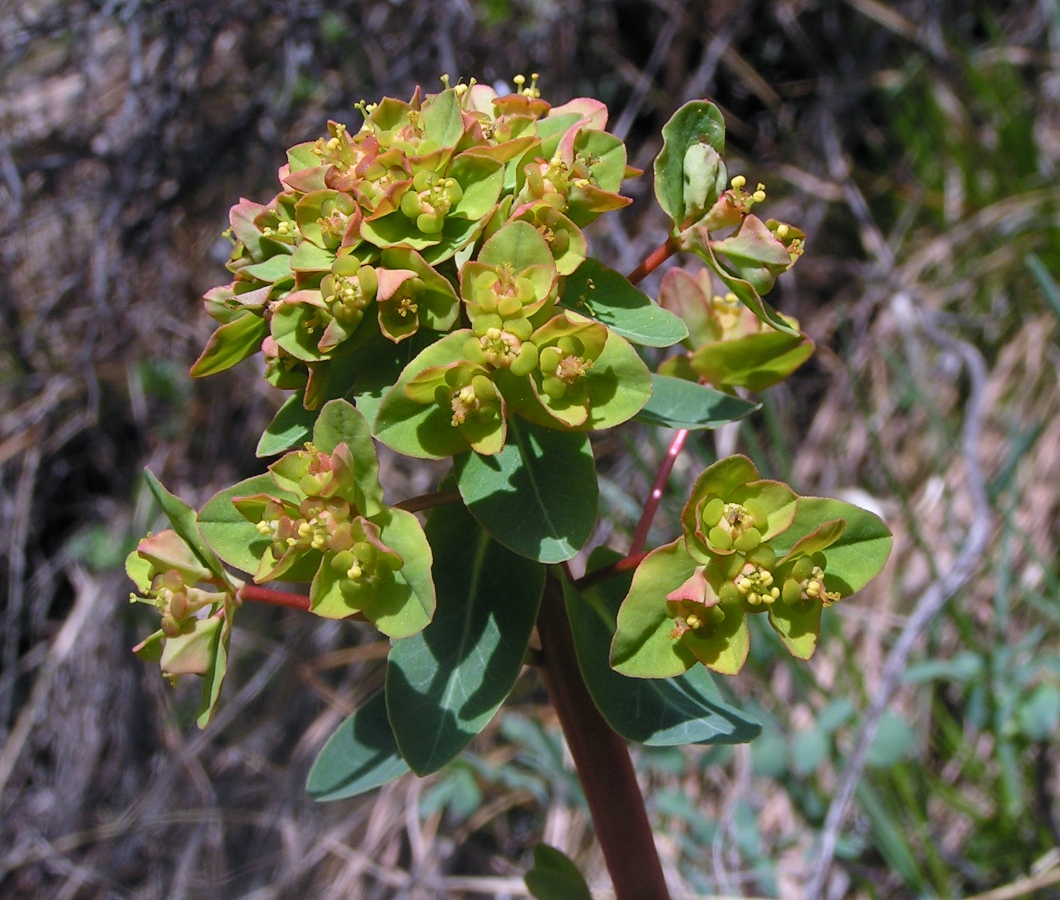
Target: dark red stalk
655,259
602,760
257,594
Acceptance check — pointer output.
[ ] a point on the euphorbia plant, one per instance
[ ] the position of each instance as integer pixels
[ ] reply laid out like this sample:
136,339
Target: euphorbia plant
423,281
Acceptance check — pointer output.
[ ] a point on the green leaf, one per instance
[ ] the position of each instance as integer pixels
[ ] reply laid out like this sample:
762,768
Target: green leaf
676,403
603,294
397,618
274,269
856,557
444,684
231,344
798,626
182,518
415,429
618,385
687,709
400,605
519,245
291,426
755,361
642,646
538,496
341,423
697,240
695,122
214,677
555,877
236,540
362,754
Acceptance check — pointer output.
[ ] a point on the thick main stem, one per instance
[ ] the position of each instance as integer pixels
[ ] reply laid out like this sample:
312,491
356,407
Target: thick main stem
602,760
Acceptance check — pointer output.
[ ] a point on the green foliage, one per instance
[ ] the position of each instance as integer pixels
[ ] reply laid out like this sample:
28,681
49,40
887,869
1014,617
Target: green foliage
549,476
423,282
444,684
362,754
555,877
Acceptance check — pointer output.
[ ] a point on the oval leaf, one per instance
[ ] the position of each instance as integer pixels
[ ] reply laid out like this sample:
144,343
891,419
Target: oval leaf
444,684
676,403
695,122
603,294
538,496
362,754
555,877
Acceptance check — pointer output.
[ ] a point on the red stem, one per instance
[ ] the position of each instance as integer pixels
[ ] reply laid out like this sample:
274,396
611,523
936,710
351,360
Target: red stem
616,568
640,536
602,760
277,598
655,259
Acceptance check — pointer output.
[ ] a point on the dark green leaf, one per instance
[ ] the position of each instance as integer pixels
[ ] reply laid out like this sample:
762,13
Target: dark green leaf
660,712
676,403
444,684
603,294
538,496
555,877
362,754
182,518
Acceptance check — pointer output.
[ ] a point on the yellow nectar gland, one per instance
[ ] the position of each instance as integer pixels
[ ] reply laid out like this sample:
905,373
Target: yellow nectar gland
756,585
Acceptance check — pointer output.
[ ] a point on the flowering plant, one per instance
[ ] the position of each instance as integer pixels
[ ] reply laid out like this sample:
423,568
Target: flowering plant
423,281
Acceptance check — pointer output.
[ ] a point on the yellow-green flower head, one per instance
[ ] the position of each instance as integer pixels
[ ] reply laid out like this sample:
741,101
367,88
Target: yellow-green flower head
731,510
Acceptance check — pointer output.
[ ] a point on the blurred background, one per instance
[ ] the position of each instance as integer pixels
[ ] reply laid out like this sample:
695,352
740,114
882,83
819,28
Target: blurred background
917,144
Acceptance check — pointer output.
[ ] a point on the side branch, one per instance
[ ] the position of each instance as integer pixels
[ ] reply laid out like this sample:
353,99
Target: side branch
640,536
255,594
655,259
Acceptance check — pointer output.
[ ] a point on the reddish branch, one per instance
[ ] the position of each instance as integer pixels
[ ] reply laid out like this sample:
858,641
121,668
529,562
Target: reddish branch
602,760
257,594
655,259
640,536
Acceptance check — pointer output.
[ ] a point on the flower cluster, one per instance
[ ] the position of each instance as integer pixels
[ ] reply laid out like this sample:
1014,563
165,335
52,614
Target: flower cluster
744,550
457,210
728,345
322,520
